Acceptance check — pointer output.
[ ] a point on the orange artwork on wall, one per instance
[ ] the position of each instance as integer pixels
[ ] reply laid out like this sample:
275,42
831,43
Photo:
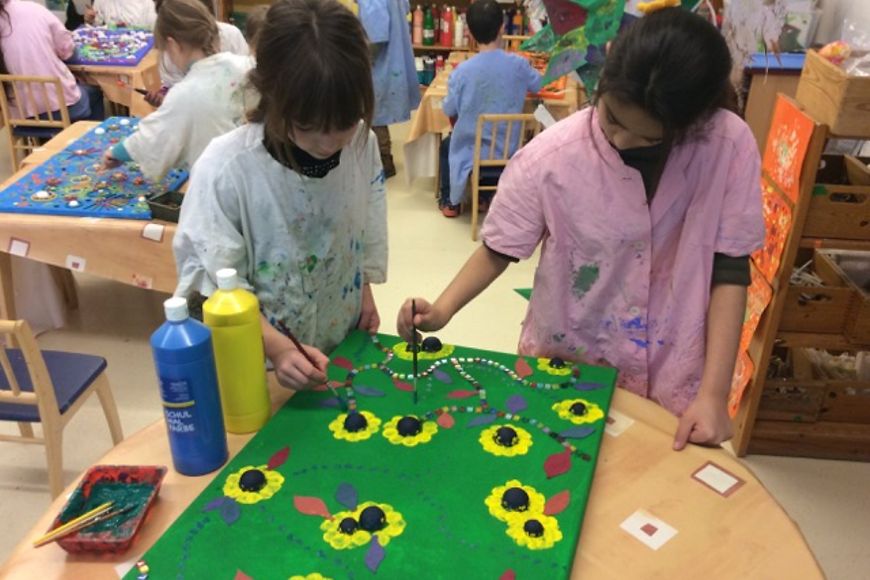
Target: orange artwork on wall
742,374
777,223
787,143
758,297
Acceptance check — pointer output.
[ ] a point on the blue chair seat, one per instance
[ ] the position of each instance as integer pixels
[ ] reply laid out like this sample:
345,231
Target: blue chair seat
71,374
36,132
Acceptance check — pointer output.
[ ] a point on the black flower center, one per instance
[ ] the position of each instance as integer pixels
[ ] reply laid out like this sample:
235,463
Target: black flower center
409,426
355,422
515,499
431,344
348,526
373,519
410,347
578,409
506,437
557,363
252,480
534,528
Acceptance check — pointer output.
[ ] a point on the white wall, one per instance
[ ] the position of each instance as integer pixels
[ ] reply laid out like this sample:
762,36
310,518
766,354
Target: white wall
835,11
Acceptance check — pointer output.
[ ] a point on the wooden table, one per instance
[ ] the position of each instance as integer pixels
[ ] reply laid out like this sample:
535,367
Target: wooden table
740,536
136,252
429,121
118,82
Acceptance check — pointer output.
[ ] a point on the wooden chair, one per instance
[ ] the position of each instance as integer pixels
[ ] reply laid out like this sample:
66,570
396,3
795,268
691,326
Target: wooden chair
48,387
512,42
521,127
27,133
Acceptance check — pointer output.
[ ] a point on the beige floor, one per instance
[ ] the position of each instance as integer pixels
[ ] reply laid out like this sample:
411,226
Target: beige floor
829,500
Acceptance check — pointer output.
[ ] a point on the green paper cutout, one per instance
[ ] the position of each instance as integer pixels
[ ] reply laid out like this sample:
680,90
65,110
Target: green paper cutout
524,292
439,487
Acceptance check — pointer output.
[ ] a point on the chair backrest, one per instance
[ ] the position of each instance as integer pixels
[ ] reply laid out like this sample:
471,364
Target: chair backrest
512,42
21,96
17,333
499,136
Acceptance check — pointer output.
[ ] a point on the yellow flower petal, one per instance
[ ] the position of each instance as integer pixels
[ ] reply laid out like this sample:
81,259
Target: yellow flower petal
521,447
274,481
373,423
544,365
391,433
593,412
400,350
497,510
516,531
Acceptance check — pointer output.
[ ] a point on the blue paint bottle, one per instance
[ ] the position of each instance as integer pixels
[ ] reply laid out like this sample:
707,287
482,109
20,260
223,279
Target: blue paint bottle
185,365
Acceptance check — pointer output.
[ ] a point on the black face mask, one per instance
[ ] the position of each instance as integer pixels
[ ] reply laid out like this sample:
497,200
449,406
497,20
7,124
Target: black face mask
307,165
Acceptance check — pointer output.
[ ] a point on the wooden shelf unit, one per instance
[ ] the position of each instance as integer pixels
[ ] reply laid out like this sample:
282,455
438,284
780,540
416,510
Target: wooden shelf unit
818,437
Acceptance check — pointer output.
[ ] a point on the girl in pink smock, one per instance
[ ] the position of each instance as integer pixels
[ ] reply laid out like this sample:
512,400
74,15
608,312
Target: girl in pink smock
646,207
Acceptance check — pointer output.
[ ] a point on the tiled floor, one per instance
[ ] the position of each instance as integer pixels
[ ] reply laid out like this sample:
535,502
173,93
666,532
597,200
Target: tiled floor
830,500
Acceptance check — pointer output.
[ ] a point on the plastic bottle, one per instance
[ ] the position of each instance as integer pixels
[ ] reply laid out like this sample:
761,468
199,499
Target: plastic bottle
439,64
418,26
233,314
428,28
458,29
436,24
447,18
184,360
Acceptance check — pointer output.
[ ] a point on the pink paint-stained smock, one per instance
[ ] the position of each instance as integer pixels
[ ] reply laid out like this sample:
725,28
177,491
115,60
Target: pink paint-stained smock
621,282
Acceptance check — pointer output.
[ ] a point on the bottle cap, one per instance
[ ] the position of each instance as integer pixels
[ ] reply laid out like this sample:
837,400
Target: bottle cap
176,309
227,279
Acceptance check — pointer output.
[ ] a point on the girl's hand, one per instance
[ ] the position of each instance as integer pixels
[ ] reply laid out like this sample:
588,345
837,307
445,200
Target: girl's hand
369,319
109,162
704,422
295,372
155,97
429,318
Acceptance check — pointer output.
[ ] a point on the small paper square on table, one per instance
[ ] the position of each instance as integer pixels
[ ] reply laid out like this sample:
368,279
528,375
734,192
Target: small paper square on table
718,479
617,423
18,247
647,528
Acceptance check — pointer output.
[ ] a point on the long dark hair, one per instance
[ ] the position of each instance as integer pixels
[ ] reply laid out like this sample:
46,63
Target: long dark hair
675,66
313,70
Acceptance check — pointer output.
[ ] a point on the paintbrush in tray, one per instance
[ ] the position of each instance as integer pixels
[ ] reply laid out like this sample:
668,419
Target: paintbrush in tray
97,515
286,332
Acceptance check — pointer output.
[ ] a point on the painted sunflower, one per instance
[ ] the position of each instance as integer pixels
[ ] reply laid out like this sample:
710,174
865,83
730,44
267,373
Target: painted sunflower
253,484
355,426
409,430
430,349
578,411
513,497
534,531
352,529
312,576
506,440
555,366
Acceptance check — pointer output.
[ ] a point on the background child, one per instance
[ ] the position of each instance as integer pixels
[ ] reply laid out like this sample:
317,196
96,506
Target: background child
397,91
231,40
253,24
492,81
294,201
122,13
648,205
208,102
33,42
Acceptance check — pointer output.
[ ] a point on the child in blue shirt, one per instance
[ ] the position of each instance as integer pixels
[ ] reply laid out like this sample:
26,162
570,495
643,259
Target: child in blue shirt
397,91
492,81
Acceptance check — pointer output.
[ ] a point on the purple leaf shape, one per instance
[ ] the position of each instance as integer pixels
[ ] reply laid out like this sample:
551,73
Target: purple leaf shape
481,420
230,511
368,391
375,555
586,386
516,403
215,503
347,496
331,402
442,376
577,432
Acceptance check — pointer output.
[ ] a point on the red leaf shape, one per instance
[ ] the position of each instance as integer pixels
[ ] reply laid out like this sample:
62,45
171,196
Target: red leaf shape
278,459
241,576
558,463
522,368
508,575
402,386
557,503
342,362
311,506
446,420
461,394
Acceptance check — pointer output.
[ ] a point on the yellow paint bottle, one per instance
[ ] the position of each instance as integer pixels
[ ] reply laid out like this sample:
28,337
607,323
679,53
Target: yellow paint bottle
233,314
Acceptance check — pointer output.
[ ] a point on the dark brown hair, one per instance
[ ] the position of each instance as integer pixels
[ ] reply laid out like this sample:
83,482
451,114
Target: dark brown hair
189,22
255,21
313,71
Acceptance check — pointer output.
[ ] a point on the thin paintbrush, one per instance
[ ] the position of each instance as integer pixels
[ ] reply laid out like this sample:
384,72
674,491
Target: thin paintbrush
283,328
81,525
414,347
